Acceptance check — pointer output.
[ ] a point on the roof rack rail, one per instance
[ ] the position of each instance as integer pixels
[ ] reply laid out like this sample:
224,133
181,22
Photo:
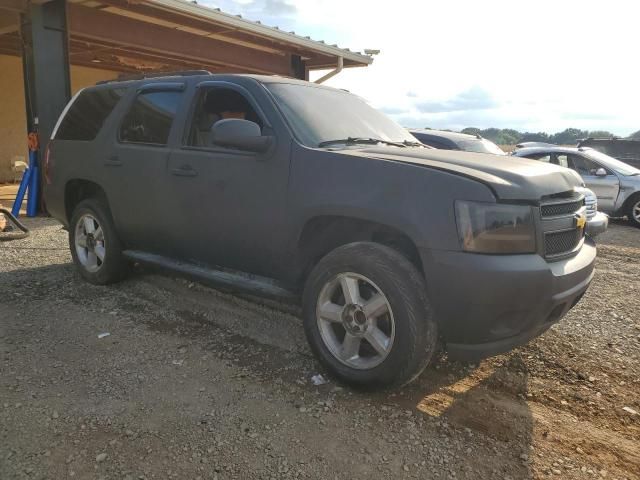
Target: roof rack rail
142,76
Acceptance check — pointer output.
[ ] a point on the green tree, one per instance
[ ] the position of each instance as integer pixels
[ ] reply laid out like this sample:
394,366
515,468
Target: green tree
601,134
471,131
535,137
570,136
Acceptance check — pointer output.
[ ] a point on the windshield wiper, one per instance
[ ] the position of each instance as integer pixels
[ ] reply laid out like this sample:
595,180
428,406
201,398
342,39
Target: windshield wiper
360,140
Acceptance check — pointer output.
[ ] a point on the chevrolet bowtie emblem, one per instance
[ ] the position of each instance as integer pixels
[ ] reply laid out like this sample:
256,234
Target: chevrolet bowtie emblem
581,220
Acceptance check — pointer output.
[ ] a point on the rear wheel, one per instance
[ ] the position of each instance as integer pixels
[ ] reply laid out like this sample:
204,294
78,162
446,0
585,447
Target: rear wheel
633,211
94,244
367,317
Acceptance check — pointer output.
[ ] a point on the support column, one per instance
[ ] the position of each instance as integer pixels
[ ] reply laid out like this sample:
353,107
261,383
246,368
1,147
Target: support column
46,66
299,68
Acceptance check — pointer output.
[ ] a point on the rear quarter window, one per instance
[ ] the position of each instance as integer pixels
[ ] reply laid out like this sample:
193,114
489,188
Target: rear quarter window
88,113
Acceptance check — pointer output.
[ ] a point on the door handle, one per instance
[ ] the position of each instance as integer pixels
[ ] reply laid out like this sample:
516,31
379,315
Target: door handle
113,162
184,171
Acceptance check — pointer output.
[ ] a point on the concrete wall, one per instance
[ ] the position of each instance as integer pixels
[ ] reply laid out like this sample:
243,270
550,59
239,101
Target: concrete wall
13,129
13,123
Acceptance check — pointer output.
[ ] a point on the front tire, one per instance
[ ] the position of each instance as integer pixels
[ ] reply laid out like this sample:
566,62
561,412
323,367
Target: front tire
633,211
367,317
94,243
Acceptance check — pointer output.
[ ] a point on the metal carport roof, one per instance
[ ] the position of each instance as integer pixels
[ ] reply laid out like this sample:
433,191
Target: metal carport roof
157,35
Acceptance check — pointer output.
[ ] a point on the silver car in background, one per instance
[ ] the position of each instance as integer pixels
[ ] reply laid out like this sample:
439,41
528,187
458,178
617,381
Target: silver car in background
597,222
615,183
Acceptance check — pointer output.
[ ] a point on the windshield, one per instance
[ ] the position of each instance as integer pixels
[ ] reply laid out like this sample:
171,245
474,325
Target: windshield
612,163
320,115
480,146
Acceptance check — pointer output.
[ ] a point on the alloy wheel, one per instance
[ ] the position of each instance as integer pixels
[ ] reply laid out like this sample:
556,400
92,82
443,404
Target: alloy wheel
90,243
635,211
355,321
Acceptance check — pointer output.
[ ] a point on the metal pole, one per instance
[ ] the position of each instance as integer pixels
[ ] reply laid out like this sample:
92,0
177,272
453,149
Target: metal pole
34,184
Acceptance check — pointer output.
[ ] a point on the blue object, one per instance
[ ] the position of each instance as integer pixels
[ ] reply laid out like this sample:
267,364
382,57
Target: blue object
24,183
30,181
34,183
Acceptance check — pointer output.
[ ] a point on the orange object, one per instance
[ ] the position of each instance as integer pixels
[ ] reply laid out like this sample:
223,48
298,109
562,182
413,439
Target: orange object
32,141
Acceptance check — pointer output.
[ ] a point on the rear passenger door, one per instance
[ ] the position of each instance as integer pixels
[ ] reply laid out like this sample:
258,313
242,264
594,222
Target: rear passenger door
135,168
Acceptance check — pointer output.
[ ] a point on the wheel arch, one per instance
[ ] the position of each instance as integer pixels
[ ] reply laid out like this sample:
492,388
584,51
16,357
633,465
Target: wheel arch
634,197
629,202
79,189
322,233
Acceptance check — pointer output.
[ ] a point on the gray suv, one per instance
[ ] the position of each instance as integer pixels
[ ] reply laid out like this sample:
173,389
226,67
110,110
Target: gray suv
287,188
615,183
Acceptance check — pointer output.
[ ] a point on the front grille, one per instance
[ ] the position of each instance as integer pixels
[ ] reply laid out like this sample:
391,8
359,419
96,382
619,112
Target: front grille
557,243
562,235
555,209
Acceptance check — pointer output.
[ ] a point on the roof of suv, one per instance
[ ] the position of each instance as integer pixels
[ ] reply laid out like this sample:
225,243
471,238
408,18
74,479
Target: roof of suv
550,149
444,133
204,75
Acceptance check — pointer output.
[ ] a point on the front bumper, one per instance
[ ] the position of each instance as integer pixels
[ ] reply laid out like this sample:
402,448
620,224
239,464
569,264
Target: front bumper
598,224
489,304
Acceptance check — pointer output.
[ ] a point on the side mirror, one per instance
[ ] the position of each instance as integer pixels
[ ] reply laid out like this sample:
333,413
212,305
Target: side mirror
601,172
240,134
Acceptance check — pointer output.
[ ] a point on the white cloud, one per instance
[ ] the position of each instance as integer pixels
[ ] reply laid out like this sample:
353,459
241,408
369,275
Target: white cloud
475,98
542,65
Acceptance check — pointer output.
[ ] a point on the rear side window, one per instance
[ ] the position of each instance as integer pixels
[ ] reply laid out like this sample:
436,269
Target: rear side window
150,117
542,157
87,114
563,160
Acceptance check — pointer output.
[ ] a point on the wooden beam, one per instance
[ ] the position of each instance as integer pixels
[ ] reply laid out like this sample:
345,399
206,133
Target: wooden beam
9,23
322,64
80,48
11,43
104,66
134,61
94,24
18,6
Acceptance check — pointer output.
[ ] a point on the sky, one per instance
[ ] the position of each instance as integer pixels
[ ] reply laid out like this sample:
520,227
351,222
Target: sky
529,65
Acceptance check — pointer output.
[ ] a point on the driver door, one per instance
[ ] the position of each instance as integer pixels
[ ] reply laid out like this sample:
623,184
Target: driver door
229,204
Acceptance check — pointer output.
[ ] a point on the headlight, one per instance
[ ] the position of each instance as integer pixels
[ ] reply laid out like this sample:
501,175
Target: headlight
495,227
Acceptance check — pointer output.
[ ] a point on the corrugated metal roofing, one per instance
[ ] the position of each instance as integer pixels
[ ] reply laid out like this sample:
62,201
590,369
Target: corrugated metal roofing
257,27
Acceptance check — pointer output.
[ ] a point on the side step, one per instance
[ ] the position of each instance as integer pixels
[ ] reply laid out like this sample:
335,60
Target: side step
262,286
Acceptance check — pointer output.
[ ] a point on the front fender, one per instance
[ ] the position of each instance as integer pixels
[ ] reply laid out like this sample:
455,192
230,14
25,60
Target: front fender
416,200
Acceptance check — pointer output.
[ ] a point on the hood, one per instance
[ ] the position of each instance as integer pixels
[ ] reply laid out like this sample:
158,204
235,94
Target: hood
510,178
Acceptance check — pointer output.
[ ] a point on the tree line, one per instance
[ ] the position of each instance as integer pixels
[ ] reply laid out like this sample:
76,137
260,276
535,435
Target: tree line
569,136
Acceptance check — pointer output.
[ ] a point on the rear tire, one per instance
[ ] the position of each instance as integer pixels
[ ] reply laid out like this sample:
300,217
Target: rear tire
94,243
381,332
633,211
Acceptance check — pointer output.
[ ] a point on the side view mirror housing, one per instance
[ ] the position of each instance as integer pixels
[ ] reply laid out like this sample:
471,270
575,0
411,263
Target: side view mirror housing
240,134
601,172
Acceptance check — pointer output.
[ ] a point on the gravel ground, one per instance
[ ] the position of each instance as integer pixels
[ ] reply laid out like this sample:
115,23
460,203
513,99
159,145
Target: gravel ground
196,383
